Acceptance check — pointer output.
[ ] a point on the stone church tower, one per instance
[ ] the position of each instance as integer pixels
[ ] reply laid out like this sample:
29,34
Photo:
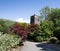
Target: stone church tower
35,19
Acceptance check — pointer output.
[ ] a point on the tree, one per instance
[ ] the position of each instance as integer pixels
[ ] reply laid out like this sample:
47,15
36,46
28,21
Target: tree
54,16
45,29
44,12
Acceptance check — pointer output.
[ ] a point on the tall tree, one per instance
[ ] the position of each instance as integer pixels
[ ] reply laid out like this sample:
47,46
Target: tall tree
54,16
44,12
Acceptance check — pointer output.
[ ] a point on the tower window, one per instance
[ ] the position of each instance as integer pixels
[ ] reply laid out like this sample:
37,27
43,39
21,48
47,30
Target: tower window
38,19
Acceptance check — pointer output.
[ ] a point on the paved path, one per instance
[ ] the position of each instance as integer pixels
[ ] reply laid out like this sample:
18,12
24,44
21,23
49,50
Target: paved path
32,46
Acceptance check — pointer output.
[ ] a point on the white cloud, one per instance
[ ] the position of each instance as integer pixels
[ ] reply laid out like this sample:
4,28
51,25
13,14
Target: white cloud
23,20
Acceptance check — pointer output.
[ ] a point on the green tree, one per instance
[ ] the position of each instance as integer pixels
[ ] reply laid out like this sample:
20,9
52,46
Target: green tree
45,29
54,16
44,12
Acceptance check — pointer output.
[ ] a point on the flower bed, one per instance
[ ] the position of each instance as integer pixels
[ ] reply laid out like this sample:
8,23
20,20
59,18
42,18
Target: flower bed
8,41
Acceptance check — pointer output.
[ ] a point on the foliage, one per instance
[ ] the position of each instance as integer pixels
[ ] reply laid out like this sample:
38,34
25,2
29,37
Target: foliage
8,41
1,33
47,27
57,32
54,16
20,30
32,31
39,39
9,23
45,11
24,25
5,25
42,32
45,30
51,25
53,40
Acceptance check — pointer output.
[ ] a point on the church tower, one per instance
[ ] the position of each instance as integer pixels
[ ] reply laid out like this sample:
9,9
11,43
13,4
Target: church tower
35,19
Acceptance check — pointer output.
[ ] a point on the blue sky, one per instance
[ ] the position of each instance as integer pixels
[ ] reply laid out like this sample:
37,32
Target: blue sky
21,10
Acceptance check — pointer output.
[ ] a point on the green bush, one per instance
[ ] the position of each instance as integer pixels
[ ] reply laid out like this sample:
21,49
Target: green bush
5,25
1,33
57,32
8,41
53,40
39,39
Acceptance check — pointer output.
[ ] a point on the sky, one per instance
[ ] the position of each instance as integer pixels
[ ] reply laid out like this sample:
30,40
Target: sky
21,10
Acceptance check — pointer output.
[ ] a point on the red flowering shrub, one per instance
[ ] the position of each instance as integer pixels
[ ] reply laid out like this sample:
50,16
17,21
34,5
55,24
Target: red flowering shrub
20,30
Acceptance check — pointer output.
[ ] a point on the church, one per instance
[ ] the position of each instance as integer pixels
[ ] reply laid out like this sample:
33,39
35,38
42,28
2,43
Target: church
35,19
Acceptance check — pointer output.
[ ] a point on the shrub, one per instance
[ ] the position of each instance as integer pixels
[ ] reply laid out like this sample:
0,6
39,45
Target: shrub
8,41
39,39
1,33
57,32
53,40
32,31
20,30
5,25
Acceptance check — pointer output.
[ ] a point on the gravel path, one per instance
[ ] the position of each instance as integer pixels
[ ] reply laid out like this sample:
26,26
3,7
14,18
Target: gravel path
32,46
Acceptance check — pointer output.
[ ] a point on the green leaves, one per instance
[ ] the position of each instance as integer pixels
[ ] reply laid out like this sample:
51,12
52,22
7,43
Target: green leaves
8,41
44,12
54,26
5,25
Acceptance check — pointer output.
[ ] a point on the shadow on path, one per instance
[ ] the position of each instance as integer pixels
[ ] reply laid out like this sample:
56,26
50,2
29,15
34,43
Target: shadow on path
48,47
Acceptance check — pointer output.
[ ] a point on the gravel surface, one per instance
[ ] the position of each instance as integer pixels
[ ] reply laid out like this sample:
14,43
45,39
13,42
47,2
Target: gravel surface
33,46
